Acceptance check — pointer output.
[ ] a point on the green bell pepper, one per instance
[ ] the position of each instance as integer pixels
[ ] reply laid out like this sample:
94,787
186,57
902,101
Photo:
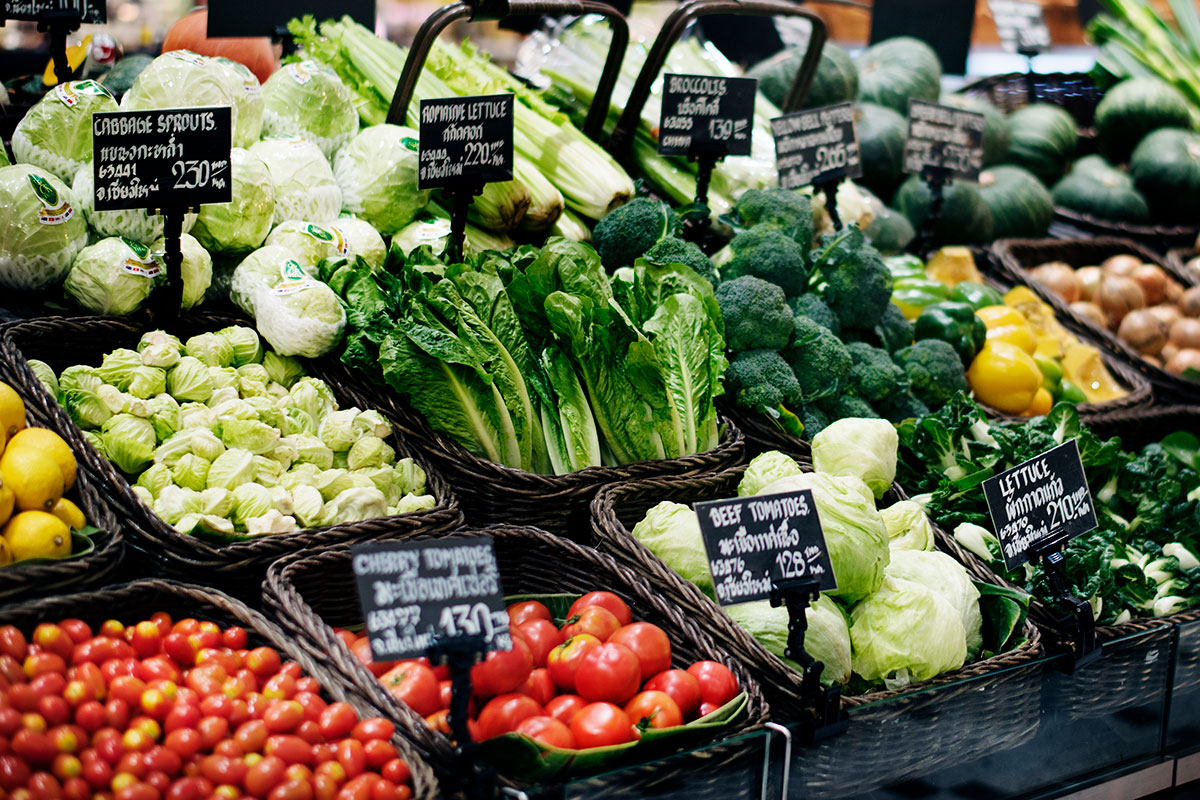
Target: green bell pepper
905,266
955,324
976,295
914,294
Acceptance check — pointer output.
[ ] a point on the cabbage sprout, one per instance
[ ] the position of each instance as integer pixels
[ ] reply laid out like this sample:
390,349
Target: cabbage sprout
56,134
377,173
129,442
247,347
242,224
113,277
190,472
861,448
189,380
284,370
308,99
303,179
79,388
41,230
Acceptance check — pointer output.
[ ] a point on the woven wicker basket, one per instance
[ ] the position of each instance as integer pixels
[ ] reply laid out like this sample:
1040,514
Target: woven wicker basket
1075,92
1178,258
1018,256
1071,224
237,567
310,592
136,601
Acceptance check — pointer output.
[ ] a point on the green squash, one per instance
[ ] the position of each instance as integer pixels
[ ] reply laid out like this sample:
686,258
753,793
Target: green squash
836,80
1098,189
890,231
118,79
1042,140
1166,169
881,136
1134,108
1020,205
965,216
892,71
995,129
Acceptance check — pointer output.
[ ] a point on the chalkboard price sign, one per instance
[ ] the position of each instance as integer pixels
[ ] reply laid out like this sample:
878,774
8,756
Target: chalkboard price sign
943,137
417,594
816,146
270,17
90,11
465,140
706,115
1043,497
1021,25
161,159
753,542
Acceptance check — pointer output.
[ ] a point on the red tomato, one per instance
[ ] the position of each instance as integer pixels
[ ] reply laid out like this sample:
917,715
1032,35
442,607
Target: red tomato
283,716
234,638
542,636
503,670
609,672
179,648
414,685
362,651
263,661
649,643
539,685
292,790
564,659
146,639
54,709
373,728
352,757
396,771
378,752
34,747
599,622
292,749
502,714
77,629
564,707
547,731
182,715
13,643
439,721
717,684
14,772
337,720
312,704
265,776
520,613
656,709
43,663
681,685
606,600
53,639
45,786
600,725
76,789
212,730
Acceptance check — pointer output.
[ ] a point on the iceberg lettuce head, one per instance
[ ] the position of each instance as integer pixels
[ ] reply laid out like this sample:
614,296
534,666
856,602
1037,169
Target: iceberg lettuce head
672,532
242,224
308,99
41,228
862,448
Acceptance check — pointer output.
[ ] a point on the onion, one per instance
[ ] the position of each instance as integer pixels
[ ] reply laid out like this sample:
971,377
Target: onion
1184,359
1153,361
1193,266
1153,281
1189,302
1090,311
1174,291
1185,333
1122,265
1144,332
1117,297
1168,352
1089,282
1165,312
1060,279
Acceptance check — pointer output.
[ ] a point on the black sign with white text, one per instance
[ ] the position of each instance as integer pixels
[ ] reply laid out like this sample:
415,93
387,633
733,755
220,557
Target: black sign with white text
1020,24
706,115
1045,496
166,158
90,11
753,542
414,594
944,137
816,146
270,17
466,140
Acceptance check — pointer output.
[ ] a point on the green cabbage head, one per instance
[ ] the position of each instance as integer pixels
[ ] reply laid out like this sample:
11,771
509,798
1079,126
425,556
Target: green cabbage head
907,526
132,223
113,277
247,99
764,469
827,638
308,99
297,314
940,573
197,268
41,228
377,173
344,238
56,134
242,224
863,448
181,79
304,184
672,532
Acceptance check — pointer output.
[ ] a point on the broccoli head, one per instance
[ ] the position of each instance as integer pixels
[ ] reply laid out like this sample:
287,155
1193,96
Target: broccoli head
894,330
901,406
813,307
783,210
857,285
768,254
814,420
627,232
850,406
673,250
873,375
760,380
819,359
756,314
934,370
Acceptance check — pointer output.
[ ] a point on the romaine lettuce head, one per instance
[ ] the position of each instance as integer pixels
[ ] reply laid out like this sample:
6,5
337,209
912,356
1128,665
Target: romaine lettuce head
377,173
309,99
345,238
939,572
855,535
129,442
827,638
181,79
297,314
246,91
905,633
41,229
672,532
907,526
132,223
197,268
56,134
242,224
303,180
764,469
113,277
863,448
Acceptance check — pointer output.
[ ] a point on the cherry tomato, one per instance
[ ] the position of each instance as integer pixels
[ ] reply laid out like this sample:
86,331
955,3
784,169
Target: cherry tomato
378,752
717,684
600,725
362,651
357,788
14,771
681,685
292,790
97,773
564,659
520,613
352,757
548,731
539,685
76,789
179,648
159,667
414,685
606,600
280,687
396,771
162,759
265,776
13,643
77,629
43,663
503,670
34,747
292,749
439,721
373,728
542,636
337,720
54,709
608,672
251,735
234,638
146,639
599,622
182,715
502,714
312,704
53,639
263,661
654,710
212,730
45,786
283,716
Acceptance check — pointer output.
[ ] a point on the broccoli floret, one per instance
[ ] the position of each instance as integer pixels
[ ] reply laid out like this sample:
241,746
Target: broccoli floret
673,250
783,210
819,359
760,380
849,405
934,370
901,406
857,285
873,374
813,307
756,314
768,254
815,420
626,233
894,330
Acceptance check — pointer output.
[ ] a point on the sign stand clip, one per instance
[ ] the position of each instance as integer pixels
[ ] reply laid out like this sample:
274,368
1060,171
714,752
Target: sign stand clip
1079,622
461,197
829,189
59,23
797,594
698,219
937,178
168,300
461,653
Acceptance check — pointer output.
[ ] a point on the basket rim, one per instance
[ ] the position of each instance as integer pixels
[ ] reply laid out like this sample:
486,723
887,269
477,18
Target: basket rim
1114,228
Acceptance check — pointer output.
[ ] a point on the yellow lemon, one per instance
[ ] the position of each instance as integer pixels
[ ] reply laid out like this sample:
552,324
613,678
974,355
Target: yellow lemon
34,477
12,410
52,445
36,534
6,501
6,556
69,513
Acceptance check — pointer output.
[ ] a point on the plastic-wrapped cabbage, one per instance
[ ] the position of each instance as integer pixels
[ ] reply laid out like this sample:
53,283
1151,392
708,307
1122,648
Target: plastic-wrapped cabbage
113,277
311,243
45,374
196,269
855,535
129,442
907,526
79,393
56,134
906,633
181,79
132,223
672,532
303,180
309,99
189,380
939,572
242,224
41,230
377,173
296,314
426,229
862,448
827,638
246,91
764,469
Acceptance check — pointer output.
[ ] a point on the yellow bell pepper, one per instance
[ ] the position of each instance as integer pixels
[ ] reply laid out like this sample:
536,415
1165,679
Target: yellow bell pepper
1083,366
1043,401
1004,376
1006,324
952,266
